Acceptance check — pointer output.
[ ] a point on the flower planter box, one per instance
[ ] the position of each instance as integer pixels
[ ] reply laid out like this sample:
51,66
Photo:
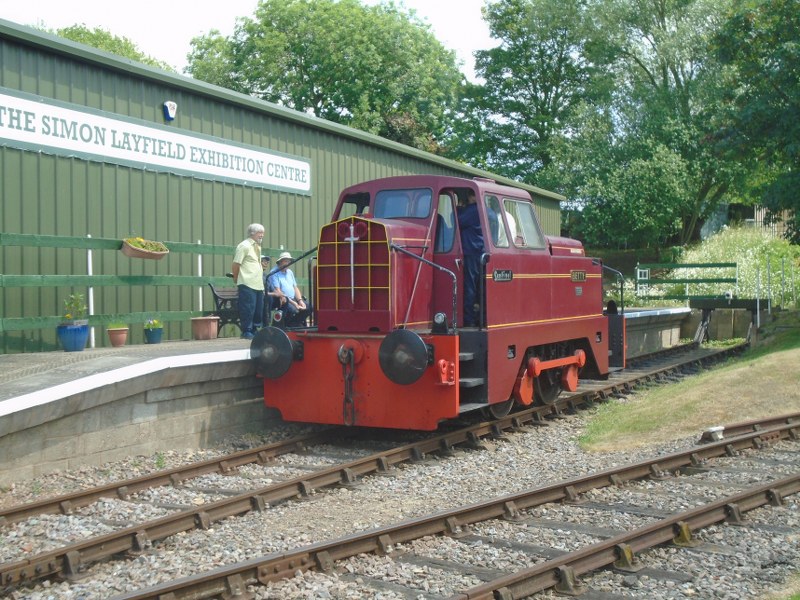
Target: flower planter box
204,328
134,252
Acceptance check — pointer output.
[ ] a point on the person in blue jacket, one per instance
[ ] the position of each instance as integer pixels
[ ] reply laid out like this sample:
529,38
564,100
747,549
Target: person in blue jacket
469,224
282,286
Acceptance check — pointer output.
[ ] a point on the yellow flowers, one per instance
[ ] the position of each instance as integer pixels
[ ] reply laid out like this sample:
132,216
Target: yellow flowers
152,324
148,245
74,307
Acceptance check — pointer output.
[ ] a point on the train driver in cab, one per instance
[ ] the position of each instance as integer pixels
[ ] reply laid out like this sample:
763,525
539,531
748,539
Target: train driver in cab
469,224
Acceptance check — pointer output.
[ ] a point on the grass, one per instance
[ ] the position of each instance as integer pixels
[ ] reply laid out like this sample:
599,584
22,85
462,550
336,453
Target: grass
765,381
160,461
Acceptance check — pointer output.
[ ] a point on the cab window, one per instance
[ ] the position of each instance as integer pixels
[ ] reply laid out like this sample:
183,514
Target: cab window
403,204
353,204
527,234
445,224
496,226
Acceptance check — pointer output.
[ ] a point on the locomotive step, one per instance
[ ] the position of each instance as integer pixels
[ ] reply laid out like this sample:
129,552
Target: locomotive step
471,382
471,406
465,356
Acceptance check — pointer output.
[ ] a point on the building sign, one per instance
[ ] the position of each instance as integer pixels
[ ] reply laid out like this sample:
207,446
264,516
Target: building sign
41,124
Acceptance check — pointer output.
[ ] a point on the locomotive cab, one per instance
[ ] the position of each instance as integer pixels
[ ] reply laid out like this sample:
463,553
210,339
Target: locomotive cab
390,348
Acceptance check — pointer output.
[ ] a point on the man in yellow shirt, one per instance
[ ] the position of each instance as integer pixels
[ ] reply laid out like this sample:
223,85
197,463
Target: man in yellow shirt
247,275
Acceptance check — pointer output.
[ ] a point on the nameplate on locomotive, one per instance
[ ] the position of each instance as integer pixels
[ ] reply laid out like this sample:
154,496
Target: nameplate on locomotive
577,276
502,275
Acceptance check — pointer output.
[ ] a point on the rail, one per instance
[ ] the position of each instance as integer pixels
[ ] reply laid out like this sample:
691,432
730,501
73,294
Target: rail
321,556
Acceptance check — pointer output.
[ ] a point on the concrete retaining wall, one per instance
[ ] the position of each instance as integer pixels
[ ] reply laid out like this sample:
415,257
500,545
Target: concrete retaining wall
725,323
186,407
651,330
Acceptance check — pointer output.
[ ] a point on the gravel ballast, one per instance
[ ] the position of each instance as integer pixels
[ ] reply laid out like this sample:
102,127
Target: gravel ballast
749,562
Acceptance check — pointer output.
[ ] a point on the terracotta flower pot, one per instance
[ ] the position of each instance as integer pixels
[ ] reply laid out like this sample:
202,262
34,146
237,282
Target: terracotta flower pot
117,336
204,328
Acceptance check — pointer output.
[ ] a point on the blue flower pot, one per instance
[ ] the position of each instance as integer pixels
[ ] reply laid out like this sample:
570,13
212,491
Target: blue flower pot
73,338
153,336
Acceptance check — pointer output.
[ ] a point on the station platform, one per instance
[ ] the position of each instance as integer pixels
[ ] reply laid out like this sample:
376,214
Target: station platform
61,410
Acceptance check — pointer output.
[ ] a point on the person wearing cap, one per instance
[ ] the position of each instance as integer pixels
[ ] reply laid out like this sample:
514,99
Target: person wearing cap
249,279
282,287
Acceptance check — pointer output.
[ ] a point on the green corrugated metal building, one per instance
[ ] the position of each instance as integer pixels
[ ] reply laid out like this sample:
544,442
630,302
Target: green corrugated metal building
88,148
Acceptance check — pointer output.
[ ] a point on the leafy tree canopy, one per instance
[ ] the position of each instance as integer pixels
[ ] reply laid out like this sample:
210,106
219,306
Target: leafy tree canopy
587,97
665,103
761,42
104,40
378,68
534,78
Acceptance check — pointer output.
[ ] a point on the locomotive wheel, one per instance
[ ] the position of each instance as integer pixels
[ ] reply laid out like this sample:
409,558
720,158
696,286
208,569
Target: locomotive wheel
547,386
498,410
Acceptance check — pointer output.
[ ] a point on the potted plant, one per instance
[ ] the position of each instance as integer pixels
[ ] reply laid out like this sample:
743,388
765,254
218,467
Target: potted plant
117,333
74,331
153,331
136,247
205,328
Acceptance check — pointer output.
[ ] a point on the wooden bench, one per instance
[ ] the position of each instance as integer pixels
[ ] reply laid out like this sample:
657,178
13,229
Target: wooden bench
226,300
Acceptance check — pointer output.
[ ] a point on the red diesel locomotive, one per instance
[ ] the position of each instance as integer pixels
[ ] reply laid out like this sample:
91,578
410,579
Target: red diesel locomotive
388,347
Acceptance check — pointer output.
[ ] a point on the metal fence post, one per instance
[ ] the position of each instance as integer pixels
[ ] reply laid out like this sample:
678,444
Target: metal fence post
90,292
769,287
199,274
758,298
783,281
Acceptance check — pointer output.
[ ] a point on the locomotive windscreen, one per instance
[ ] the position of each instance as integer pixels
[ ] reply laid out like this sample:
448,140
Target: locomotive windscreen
399,204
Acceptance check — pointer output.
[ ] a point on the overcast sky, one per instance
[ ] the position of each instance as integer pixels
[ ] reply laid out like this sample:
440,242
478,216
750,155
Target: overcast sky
163,29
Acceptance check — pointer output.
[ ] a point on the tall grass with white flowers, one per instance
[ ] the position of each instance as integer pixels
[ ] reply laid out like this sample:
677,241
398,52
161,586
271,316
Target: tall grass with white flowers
767,267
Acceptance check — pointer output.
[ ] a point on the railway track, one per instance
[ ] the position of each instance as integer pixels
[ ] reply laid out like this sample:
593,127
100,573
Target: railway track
558,570
71,560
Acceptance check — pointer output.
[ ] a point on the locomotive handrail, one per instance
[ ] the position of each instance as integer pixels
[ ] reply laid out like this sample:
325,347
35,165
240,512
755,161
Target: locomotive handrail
394,246
485,258
301,257
621,279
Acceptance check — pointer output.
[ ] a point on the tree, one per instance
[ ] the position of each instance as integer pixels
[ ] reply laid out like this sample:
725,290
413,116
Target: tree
104,40
760,42
665,105
623,214
377,68
668,92
534,79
